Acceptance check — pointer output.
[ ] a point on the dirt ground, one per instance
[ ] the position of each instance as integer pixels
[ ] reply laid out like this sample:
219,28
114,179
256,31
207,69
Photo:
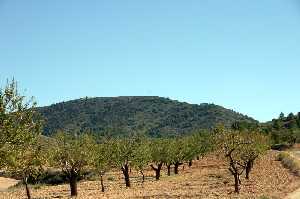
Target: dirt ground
207,178
5,183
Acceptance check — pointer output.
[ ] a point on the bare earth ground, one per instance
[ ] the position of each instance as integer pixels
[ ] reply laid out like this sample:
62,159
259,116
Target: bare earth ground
207,178
5,183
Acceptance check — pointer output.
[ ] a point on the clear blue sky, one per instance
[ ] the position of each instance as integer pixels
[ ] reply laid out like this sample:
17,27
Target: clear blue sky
241,54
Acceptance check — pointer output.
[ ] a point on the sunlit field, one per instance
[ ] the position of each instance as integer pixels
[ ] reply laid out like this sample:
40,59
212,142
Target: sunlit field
207,178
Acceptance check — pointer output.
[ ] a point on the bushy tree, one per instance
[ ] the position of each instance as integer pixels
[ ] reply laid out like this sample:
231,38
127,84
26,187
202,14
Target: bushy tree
20,128
141,156
240,149
27,161
122,155
230,143
73,154
198,144
102,162
17,124
281,116
256,145
159,155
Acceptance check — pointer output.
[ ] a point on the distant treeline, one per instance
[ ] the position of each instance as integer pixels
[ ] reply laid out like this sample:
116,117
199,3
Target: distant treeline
284,130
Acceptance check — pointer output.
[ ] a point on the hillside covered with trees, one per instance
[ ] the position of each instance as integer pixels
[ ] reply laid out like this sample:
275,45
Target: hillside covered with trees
284,129
156,116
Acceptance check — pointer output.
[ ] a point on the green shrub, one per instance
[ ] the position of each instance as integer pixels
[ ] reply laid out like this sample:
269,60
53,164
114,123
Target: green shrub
281,156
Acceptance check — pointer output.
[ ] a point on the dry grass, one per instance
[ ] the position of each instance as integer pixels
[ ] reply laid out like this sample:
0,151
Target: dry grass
290,161
207,178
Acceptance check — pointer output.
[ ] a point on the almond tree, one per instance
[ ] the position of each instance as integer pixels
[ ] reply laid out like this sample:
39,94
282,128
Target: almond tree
122,155
240,149
159,155
257,144
20,127
102,162
231,144
198,144
17,125
73,154
27,161
141,157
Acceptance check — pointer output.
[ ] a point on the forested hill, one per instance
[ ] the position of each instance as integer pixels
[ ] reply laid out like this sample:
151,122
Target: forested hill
156,116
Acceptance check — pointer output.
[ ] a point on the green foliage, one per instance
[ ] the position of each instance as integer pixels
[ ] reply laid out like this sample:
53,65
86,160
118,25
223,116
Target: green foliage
283,130
27,160
122,151
160,151
102,158
199,144
240,149
141,155
72,153
20,128
158,117
17,128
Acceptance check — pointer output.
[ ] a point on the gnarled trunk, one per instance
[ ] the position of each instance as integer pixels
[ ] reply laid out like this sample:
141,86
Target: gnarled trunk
190,163
125,171
249,166
157,170
169,169
236,183
73,184
176,166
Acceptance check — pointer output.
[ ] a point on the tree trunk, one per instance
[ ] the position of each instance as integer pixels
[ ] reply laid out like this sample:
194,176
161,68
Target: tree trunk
198,157
248,168
125,171
176,167
102,185
236,183
143,176
247,171
157,170
190,163
27,188
73,184
169,169
157,175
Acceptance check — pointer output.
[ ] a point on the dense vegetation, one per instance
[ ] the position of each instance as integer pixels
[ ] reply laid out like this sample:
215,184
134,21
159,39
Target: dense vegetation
284,130
156,116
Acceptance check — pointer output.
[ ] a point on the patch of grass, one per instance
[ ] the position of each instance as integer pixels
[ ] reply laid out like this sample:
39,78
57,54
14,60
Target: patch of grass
111,178
263,197
37,186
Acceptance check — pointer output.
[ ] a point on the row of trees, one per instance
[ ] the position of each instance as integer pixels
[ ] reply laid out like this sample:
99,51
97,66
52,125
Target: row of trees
74,154
26,153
